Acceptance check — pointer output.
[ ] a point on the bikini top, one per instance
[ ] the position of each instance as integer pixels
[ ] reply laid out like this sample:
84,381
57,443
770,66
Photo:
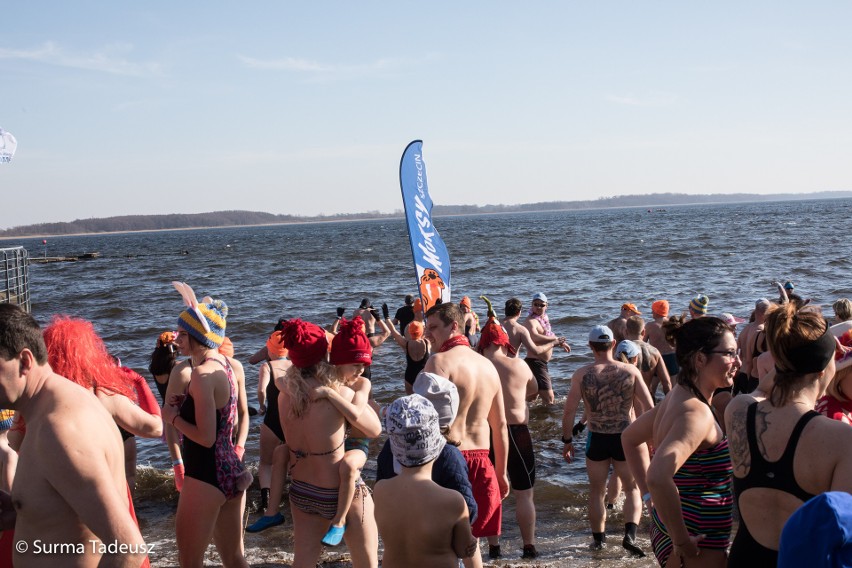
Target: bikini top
773,475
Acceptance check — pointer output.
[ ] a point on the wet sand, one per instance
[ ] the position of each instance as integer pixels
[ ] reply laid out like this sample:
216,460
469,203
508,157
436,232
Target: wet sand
563,535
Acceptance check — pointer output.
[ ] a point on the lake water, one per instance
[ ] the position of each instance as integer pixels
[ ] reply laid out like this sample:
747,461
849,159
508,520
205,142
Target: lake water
587,262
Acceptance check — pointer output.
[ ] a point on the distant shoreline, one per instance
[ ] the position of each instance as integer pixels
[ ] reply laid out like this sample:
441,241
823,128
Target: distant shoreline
654,201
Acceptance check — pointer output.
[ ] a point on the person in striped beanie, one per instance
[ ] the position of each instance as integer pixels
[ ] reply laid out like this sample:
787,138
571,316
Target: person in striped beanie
698,306
205,322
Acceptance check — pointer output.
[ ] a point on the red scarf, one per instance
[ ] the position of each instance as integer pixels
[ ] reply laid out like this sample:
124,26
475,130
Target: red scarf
453,342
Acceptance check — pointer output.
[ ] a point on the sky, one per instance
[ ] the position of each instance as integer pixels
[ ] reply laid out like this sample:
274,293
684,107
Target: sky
306,107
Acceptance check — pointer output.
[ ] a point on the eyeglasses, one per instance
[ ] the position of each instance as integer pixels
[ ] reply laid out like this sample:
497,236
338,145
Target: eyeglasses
727,354
538,305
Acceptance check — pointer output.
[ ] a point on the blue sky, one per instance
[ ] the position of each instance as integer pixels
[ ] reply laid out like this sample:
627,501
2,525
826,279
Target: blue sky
305,108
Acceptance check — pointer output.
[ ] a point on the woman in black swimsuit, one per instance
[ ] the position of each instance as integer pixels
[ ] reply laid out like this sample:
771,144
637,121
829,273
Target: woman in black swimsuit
269,384
416,349
783,452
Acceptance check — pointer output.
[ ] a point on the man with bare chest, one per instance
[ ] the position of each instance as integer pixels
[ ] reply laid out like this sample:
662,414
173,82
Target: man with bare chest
609,391
71,500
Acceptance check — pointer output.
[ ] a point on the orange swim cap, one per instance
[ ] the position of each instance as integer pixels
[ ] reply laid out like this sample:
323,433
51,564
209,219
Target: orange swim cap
465,301
275,346
415,329
660,308
227,348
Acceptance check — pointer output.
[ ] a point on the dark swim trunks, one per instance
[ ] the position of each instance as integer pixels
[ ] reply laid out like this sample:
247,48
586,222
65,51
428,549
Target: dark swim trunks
670,359
521,460
600,447
541,374
486,493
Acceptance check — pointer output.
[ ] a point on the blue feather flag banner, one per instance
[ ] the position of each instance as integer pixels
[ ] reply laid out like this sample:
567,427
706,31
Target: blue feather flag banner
431,259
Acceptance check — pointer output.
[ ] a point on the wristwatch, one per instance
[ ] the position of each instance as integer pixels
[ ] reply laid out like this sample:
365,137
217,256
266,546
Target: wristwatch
567,441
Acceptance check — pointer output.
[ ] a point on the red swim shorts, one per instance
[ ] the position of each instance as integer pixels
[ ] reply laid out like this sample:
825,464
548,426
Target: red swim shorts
486,493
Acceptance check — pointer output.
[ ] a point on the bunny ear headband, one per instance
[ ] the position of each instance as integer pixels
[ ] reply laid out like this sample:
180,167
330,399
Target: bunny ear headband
188,295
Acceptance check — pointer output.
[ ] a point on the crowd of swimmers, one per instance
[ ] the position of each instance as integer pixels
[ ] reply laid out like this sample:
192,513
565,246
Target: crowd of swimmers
688,416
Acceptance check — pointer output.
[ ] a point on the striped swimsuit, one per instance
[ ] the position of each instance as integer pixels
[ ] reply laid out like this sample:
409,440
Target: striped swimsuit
704,484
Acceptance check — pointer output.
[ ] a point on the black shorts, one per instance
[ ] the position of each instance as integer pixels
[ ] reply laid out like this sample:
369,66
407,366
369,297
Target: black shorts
541,374
670,361
600,447
520,464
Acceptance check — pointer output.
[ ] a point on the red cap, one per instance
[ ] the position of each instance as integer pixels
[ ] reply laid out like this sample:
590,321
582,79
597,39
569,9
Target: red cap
306,343
350,346
494,334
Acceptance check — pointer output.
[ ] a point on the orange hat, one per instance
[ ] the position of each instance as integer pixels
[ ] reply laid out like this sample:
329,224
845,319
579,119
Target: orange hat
631,308
465,301
227,348
166,338
415,329
660,308
275,345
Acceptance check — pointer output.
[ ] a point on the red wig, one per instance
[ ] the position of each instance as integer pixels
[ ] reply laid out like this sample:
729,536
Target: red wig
75,351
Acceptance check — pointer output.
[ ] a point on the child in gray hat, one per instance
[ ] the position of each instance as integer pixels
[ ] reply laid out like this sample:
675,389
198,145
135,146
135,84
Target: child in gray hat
439,534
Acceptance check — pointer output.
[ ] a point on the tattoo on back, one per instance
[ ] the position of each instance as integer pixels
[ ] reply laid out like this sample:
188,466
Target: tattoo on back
608,395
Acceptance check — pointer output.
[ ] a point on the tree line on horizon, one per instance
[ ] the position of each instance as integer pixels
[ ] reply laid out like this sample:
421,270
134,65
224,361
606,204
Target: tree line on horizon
126,223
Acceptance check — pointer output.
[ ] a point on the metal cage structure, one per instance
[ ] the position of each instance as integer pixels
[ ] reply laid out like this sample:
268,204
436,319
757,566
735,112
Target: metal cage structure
14,277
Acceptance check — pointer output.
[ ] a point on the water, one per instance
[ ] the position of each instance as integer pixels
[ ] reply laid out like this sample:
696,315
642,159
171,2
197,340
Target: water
587,262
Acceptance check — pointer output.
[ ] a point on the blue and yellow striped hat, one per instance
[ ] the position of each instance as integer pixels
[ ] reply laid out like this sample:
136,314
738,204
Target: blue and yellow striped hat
699,304
215,313
6,417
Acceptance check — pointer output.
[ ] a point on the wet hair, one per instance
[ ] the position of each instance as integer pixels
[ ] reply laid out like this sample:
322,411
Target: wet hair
690,338
409,299
298,387
843,309
448,313
76,352
788,329
19,331
601,346
634,326
513,307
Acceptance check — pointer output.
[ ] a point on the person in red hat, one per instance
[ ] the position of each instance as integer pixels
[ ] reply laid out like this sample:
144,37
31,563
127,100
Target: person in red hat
315,431
350,353
518,382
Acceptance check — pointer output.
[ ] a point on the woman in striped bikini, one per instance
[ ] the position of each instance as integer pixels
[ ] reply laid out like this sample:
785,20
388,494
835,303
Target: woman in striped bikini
687,482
